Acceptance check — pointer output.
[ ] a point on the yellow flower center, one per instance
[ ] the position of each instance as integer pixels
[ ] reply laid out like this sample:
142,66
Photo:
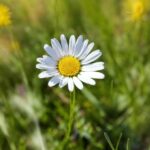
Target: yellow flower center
4,15
137,9
69,66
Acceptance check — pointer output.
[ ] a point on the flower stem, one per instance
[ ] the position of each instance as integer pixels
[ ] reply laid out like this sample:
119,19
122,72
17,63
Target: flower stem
71,119
71,115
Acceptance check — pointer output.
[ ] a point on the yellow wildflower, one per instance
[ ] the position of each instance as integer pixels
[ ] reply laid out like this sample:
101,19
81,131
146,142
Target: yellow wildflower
136,9
5,17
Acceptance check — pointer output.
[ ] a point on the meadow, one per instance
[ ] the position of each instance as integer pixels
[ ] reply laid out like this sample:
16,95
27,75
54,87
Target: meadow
34,116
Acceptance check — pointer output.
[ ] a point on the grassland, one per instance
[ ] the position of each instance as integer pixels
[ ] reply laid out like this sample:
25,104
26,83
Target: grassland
34,116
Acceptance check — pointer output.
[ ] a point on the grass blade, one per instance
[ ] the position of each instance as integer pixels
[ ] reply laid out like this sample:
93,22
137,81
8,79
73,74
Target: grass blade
127,146
118,141
109,141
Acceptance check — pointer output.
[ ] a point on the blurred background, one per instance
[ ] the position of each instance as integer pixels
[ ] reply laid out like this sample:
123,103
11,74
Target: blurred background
34,116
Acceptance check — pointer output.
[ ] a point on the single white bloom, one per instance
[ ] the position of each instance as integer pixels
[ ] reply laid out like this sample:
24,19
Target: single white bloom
70,64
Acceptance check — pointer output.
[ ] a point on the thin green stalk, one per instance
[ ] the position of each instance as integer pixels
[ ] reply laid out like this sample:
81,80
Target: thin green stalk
127,146
12,145
38,130
11,35
71,119
118,142
20,64
71,115
109,141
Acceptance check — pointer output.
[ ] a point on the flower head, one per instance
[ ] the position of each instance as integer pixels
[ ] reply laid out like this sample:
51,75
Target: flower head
4,15
70,64
136,9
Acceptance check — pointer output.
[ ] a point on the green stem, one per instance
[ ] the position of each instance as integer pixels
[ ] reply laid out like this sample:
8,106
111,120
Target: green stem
71,119
71,115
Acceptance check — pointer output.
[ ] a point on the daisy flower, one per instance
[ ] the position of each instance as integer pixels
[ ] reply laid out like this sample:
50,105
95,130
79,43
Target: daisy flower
4,15
70,64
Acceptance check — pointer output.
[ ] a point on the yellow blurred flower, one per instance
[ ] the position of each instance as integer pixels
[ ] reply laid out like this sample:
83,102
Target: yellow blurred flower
9,48
5,18
136,9
15,46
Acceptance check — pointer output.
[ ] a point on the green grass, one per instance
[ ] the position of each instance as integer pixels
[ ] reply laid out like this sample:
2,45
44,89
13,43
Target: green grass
34,116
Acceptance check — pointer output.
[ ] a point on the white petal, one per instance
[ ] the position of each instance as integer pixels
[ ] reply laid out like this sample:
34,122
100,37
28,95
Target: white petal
70,85
57,47
92,57
39,59
87,51
64,44
44,56
60,83
78,45
95,75
84,47
46,74
55,80
43,66
56,44
47,61
63,82
86,79
78,83
93,67
71,44
50,51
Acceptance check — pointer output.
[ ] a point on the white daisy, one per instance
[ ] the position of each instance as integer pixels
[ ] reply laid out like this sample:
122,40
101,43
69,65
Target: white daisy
70,64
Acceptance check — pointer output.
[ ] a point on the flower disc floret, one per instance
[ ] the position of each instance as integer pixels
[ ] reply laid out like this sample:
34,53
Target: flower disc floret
69,66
